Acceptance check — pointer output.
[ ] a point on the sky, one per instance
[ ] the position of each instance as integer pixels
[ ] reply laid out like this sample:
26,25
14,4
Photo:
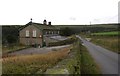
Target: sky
19,12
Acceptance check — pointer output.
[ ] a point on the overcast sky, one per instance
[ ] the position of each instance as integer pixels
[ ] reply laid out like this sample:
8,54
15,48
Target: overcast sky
58,11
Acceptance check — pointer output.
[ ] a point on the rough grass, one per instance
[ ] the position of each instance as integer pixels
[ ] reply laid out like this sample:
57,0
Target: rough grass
88,65
110,42
7,49
31,64
71,63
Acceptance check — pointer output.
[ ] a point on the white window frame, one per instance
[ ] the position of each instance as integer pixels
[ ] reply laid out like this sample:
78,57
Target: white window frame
34,33
46,32
58,32
27,33
49,32
52,32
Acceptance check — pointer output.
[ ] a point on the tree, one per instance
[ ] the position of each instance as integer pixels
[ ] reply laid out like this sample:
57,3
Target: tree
11,39
66,31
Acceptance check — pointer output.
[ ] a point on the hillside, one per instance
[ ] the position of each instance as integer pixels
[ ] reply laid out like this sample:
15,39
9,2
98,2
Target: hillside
91,28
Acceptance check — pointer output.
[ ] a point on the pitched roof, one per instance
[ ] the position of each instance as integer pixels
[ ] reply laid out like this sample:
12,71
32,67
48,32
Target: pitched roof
39,26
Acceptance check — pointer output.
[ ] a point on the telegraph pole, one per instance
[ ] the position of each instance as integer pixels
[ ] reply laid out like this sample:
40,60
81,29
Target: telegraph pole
90,22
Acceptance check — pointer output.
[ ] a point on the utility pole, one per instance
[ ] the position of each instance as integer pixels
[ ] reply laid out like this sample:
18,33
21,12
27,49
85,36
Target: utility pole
90,22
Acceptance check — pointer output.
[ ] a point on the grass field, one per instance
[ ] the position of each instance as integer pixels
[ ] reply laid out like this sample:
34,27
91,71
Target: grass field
113,33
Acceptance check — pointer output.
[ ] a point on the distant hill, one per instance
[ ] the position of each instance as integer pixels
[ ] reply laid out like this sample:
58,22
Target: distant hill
91,28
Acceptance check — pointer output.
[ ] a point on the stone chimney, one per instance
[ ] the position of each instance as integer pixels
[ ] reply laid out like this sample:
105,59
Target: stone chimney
49,23
31,20
45,22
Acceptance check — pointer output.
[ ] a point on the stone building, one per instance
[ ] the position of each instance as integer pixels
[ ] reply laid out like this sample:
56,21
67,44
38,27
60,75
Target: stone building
37,33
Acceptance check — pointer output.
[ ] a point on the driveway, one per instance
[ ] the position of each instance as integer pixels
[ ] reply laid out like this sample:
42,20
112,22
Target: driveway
38,50
106,59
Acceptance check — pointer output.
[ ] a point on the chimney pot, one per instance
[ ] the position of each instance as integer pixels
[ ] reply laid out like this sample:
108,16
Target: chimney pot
49,23
45,22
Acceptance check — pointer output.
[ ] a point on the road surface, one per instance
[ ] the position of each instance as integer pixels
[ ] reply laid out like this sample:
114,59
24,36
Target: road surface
106,60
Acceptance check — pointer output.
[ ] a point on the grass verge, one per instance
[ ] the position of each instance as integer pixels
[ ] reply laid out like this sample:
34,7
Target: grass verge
88,65
108,42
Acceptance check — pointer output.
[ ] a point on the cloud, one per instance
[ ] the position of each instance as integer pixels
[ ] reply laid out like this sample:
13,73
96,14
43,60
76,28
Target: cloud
113,19
72,18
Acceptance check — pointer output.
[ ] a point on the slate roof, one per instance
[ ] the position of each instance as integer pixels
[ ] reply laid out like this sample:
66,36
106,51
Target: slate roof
40,26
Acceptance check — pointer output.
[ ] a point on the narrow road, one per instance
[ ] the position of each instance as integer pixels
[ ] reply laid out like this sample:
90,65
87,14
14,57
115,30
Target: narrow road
106,60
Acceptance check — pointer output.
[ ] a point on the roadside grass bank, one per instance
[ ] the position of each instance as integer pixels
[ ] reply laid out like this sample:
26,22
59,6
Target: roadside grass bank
108,42
88,65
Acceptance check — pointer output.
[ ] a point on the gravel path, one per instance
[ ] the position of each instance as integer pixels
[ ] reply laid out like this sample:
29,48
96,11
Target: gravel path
37,50
106,59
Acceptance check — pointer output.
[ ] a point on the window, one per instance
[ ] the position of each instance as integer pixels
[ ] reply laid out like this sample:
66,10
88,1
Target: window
49,32
27,33
46,33
58,32
34,33
54,32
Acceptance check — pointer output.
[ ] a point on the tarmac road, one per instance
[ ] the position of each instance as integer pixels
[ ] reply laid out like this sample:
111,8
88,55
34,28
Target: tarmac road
106,60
